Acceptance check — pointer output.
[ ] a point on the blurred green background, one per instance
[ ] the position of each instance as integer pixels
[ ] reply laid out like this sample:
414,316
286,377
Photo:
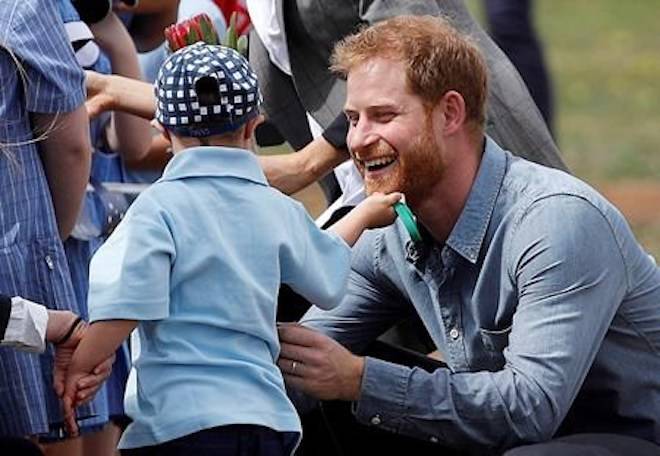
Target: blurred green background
604,60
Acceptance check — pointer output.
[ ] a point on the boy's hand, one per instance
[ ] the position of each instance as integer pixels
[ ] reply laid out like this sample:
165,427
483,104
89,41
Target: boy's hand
75,386
79,387
377,211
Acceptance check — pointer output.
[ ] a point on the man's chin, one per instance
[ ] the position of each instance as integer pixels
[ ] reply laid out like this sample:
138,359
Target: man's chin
381,187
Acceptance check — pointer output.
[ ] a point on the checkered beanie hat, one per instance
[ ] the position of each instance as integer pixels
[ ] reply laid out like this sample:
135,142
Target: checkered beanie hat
205,90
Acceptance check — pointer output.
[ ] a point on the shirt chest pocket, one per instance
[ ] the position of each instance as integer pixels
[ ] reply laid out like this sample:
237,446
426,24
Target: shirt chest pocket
494,342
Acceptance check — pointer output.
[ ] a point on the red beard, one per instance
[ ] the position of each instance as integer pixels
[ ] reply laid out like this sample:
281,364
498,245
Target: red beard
416,172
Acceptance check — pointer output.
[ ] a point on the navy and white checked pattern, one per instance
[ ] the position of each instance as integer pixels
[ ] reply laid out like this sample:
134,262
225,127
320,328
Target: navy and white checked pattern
179,108
32,262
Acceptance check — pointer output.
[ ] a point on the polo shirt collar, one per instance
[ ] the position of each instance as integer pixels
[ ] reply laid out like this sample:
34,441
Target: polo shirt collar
214,161
469,232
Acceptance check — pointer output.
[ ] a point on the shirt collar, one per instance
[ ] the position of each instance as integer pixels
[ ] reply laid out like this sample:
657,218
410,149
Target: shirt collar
212,161
468,234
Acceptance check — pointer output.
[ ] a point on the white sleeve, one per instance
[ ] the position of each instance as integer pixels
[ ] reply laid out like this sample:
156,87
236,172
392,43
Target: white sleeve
26,329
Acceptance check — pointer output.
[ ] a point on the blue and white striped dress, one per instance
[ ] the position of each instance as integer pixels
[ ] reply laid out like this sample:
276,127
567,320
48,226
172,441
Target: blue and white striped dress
32,261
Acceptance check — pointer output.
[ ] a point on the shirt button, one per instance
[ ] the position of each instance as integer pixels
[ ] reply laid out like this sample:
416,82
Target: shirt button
433,439
375,420
454,333
49,262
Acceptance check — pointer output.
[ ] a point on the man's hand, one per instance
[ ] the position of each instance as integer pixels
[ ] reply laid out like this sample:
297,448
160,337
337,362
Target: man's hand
318,365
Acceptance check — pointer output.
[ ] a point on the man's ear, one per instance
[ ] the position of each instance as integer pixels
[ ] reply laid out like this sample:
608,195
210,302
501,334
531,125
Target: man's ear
252,125
452,105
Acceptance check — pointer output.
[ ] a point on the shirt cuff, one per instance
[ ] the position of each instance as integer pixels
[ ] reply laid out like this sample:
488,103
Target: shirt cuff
27,325
382,394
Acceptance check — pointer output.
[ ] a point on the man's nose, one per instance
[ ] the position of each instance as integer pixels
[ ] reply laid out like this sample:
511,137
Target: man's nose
360,136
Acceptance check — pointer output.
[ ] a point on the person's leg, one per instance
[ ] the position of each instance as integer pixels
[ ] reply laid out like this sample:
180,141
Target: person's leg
512,28
589,445
68,447
102,442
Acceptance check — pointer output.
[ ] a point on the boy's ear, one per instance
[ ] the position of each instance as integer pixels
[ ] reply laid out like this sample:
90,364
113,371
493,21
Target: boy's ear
252,125
158,126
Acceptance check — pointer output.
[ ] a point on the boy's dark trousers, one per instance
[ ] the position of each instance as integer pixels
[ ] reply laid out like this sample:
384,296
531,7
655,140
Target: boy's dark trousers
232,440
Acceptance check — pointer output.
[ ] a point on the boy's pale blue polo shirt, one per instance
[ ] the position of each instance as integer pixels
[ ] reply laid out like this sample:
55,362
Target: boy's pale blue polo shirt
199,260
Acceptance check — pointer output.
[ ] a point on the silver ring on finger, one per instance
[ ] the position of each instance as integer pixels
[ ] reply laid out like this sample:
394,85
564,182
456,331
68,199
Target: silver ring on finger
294,364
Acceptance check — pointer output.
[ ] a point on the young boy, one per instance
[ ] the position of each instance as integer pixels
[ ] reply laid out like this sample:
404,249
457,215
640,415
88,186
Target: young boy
196,265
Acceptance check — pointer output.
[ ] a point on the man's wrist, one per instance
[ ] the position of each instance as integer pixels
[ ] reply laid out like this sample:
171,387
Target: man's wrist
355,379
59,322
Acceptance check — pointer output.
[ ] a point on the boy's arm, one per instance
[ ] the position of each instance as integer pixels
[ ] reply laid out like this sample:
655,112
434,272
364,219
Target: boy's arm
101,340
373,212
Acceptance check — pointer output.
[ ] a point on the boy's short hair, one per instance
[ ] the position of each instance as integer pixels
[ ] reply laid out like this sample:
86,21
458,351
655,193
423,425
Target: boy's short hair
204,90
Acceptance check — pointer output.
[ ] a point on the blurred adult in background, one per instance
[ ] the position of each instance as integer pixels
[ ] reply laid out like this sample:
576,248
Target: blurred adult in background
44,169
511,25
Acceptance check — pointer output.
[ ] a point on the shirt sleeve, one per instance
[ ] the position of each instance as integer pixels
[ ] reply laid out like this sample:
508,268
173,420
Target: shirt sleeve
570,281
371,305
316,265
26,327
129,276
53,80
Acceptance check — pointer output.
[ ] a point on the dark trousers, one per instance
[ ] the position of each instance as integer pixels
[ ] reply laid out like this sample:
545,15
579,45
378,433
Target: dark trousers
512,28
233,440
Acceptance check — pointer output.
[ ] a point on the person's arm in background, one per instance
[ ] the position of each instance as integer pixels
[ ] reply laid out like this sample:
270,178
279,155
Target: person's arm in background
128,134
292,172
65,150
107,92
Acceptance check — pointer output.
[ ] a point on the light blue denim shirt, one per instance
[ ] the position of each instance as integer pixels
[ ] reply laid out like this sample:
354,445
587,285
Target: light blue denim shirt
544,305
199,260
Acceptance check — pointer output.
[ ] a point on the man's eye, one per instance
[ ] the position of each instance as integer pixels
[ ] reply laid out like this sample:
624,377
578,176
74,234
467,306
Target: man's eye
352,120
384,116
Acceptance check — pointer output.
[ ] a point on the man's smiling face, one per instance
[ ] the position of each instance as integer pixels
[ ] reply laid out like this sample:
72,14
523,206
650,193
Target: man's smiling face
391,136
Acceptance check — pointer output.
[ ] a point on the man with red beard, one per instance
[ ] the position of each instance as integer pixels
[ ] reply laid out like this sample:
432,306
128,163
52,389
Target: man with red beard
532,286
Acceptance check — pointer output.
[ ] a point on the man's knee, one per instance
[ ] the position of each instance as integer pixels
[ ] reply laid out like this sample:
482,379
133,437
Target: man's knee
589,445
